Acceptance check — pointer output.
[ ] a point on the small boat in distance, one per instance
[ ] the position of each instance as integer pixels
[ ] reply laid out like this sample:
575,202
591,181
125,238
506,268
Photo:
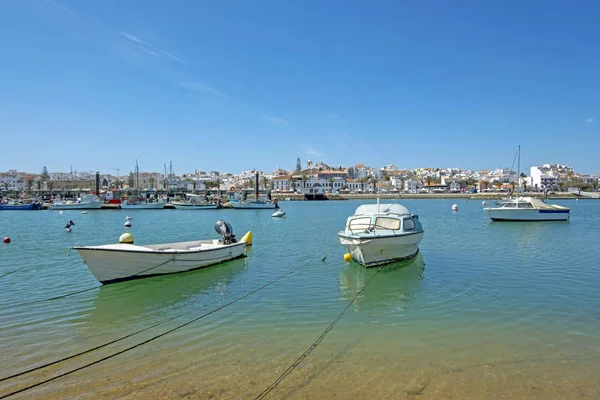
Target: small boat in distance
378,234
142,204
256,204
19,205
194,201
112,263
526,208
279,214
85,202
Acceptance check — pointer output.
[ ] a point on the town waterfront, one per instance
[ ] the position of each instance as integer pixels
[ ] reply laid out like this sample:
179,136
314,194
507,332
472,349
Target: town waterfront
486,310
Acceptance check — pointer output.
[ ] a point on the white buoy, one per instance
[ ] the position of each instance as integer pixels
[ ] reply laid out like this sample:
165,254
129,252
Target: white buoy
278,213
128,218
69,230
127,223
454,207
577,199
483,203
60,212
84,212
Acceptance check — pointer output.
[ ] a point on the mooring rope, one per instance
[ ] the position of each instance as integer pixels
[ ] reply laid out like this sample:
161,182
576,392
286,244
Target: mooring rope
145,341
313,346
35,262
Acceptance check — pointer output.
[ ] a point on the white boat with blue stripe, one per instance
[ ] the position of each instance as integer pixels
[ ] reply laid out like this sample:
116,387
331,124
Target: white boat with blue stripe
527,209
378,234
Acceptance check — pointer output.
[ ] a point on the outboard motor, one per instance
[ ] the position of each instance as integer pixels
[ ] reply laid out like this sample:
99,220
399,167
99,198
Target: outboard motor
225,230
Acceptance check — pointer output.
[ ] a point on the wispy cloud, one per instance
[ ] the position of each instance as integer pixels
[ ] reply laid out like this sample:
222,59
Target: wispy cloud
151,49
59,7
202,88
589,120
312,151
271,119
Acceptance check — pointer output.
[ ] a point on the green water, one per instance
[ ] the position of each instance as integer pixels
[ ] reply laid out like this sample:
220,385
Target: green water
486,310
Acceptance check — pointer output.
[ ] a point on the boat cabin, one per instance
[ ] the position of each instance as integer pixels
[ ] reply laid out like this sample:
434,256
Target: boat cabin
381,218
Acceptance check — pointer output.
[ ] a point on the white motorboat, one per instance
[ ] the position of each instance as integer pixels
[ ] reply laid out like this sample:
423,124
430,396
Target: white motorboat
195,202
527,209
85,202
278,214
142,205
378,234
112,263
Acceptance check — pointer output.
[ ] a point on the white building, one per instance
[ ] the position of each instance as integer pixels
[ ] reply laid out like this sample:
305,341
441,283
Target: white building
412,185
12,180
543,177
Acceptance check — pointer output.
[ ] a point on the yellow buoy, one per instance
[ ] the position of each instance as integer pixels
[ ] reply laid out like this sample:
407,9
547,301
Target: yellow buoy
247,238
347,257
126,238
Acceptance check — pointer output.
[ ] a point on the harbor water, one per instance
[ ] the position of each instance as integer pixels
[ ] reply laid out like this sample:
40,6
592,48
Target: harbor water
484,311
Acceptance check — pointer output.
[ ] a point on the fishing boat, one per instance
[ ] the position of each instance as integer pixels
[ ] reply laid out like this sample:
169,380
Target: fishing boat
378,234
16,205
142,204
123,261
195,202
526,209
85,202
256,204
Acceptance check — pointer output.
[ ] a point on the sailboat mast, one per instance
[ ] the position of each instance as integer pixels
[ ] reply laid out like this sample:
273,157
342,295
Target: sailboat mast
256,185
519,172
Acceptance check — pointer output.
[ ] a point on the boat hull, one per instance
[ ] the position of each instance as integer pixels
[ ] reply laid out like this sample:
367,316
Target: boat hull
253,205
142,206
119,264
191,206
94,205
527,215
32,206
377,250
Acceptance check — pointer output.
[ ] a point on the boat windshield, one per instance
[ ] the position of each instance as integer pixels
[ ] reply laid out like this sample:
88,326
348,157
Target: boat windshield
360,223
387,223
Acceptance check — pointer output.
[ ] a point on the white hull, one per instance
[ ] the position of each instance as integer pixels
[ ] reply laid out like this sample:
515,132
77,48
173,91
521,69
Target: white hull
142,206
373,251
197,206
253,205
93,205
526,214
119,262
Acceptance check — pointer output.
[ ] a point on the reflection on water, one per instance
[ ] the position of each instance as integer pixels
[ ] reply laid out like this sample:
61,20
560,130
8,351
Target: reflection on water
393,287
124,303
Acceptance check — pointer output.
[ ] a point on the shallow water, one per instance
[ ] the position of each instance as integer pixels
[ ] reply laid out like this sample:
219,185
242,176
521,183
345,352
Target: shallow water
486,310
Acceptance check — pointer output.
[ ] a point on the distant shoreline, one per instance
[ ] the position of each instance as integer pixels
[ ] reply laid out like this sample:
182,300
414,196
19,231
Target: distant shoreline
398,196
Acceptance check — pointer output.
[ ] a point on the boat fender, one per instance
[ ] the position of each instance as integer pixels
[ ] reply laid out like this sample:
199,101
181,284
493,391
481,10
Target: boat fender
247,238
347,257
7,240
126,238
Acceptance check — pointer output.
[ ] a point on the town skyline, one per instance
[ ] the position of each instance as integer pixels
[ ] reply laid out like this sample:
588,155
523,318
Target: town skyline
98,84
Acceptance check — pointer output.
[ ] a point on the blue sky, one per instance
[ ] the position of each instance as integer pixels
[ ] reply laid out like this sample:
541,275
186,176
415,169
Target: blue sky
234,85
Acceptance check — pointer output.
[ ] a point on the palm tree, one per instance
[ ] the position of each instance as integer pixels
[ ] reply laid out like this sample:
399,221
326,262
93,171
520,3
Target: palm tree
561,184
524,186
362,181
513,184
331,184
498,184
152,181
194,183
429,181
293,180
29,183
373,182
265,182
484,184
